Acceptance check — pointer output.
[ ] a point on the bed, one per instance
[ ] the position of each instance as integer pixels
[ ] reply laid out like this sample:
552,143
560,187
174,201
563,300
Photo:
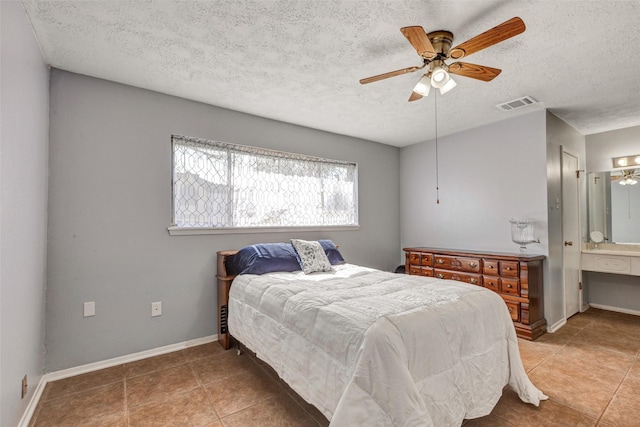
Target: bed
375,348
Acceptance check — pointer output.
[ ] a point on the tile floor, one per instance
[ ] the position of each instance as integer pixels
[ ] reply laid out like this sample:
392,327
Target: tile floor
590,369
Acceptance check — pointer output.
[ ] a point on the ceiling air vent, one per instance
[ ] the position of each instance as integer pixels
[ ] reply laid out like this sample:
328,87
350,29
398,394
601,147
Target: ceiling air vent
516,103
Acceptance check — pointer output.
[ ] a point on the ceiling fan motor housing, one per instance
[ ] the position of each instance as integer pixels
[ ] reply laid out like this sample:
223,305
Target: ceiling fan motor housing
441,41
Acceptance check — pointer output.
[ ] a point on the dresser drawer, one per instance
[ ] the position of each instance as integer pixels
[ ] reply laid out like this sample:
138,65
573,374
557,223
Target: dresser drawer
474,279
426,272
509,269
414,270
471,265
490,267
426,260
510,286
492,283
514,310
414,258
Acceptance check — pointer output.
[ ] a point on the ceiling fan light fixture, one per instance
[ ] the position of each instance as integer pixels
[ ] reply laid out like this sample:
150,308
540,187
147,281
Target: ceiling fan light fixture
439,77
628,181
450,84
424,86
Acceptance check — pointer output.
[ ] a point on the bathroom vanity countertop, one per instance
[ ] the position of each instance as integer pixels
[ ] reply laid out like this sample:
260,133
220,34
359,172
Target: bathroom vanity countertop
633,253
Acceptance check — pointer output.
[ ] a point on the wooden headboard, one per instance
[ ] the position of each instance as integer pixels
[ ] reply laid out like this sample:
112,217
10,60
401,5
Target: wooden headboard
224,284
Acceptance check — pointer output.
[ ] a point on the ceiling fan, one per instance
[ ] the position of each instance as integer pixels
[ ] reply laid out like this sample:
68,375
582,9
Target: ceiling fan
627,177
435,48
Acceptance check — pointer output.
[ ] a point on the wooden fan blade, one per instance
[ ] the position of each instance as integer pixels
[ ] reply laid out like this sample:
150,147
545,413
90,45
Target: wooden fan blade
387,75
419,40
507,29
414,96
480,72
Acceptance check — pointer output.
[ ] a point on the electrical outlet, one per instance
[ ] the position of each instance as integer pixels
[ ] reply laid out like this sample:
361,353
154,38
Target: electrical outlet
156,309
89,308
24,386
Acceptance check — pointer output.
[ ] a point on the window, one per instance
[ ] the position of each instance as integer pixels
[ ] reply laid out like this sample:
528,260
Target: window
226,186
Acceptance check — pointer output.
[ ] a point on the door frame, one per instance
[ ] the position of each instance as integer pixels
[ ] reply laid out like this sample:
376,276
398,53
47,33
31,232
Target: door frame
580,175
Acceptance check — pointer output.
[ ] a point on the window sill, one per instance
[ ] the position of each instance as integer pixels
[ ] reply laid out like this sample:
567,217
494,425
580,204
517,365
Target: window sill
193,231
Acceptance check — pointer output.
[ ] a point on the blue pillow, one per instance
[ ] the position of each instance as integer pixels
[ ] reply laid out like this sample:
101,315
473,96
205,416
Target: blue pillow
334,255
264,258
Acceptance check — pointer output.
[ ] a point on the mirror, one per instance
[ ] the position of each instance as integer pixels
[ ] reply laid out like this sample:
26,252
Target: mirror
613,209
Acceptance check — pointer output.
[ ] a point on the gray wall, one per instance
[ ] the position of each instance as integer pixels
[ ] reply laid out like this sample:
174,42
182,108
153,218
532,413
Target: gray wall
510,169
560,136
24,126
612,290
603,147
487,176
110,205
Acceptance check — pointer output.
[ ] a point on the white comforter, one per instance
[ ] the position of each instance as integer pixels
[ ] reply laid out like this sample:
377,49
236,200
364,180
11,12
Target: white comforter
371,348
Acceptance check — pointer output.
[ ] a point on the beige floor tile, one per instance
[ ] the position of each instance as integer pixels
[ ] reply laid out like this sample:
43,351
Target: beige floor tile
618,326
83,382
624,409
205,350
488,421
635,369
580,349
589,368
221,365
160,385
156,363
241,391
557,339
533,354
622,316
277,411
580,384
307,407
567,331
97,406
630,387
592,312
550,413
605,338
580,321
191,408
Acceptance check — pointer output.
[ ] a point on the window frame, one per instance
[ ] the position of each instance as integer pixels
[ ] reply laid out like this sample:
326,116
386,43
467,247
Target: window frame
182,230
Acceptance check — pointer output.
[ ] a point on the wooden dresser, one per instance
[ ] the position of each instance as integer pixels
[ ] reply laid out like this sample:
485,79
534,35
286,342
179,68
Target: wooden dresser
517,278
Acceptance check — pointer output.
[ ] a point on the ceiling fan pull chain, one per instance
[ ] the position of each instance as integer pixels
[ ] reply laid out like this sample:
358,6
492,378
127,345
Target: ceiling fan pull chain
435,100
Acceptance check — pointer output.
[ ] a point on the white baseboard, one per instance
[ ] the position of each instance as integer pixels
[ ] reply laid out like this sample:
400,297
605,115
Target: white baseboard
78,370
618,309
559,324
33,403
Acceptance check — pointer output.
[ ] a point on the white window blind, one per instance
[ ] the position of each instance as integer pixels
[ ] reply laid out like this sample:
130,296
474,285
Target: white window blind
221,185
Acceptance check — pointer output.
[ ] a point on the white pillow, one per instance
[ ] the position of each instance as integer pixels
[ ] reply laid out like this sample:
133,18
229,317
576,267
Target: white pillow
311,256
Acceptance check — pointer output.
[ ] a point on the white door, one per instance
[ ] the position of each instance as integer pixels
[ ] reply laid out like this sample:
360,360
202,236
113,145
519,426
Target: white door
571,233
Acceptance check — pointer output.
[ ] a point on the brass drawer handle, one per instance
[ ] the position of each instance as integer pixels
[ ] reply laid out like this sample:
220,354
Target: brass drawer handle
508,268
440,276
490,267
473,281
440,261
510,309
473,264
509,286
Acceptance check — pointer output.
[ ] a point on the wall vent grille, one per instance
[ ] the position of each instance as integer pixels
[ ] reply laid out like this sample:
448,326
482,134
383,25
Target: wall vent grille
525,101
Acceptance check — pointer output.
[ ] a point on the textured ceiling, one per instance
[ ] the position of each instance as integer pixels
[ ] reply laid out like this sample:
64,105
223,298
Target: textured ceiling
300,61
